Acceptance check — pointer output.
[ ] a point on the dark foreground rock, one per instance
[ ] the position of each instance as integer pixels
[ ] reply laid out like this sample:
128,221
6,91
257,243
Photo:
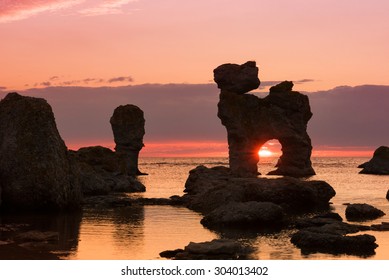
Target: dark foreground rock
252,215
35,170
252,121
328,234
380,227
217,249
210,188
379,164
99,172
387,195
362,212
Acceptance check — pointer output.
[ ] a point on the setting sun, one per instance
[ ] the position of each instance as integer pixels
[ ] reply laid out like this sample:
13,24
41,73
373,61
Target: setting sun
264,152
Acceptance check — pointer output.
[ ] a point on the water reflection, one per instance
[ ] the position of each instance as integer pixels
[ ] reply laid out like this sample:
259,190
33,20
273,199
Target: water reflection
46,233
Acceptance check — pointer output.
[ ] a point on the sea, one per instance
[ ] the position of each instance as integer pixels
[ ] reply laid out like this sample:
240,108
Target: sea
142,232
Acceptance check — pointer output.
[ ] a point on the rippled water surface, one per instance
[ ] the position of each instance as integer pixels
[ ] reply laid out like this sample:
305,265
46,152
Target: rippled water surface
142,232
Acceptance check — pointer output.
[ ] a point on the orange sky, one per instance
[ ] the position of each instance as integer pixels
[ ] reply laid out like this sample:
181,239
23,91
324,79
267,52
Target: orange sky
116,42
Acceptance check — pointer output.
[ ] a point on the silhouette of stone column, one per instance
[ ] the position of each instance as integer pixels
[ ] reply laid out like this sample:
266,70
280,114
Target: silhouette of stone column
128,126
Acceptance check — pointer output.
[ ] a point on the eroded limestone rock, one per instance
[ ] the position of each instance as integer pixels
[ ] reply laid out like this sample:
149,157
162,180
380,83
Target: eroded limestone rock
35,170
252,121
128,125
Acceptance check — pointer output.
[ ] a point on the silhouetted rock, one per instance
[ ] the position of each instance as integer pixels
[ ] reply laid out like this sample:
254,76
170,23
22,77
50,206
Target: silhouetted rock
251,214
209,188
312,242
387,195
128,125
35,170
379,164
99,172
217,249
362,212
327,234
252,121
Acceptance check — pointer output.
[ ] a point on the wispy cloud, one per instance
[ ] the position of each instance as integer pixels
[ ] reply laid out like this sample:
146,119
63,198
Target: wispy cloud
12,10
120,79
106,7
59,81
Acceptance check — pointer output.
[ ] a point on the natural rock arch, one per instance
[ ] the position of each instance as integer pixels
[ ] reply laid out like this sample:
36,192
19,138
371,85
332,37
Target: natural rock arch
252,121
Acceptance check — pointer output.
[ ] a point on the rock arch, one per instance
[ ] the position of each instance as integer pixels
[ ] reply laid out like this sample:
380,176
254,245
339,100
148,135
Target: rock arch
252,121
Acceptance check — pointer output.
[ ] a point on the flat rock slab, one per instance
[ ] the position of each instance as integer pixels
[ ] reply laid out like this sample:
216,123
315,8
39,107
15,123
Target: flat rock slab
217,249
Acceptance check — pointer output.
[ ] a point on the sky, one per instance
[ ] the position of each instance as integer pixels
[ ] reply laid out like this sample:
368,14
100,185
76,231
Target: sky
88,56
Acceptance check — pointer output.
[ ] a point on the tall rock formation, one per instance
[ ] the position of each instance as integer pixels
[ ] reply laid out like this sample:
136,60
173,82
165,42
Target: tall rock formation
252,121
128,125
35,170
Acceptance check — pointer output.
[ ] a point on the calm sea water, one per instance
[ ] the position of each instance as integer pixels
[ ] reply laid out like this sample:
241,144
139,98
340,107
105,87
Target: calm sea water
142,232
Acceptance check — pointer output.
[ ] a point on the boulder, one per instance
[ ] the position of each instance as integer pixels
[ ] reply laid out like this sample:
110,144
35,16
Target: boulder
99,172
252,121
328,234
250,214
128,126
362,212
312,242
35,169
379,164
387,195
209,188
217,249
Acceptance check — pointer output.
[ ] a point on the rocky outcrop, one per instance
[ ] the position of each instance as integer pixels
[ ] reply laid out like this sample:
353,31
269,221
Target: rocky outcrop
362,212
328,234
252,121
245,215
217,249
379,164
99,172
128,129
387,195
210,188
35,170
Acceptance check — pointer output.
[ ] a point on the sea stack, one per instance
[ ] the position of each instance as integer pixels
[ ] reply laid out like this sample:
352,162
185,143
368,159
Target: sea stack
35,169
252,121
128,126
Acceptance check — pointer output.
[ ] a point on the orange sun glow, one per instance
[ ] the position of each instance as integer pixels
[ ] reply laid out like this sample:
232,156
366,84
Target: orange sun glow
264,152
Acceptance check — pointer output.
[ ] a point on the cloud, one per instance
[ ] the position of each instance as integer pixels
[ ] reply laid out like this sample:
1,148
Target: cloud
120,79
106,7
303,81
344,118
12,10
57,81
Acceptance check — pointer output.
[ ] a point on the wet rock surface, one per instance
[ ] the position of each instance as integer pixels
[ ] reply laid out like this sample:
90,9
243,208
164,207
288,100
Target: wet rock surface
209,188
328,234
379,164
217,249
35,170
128,126
252,121
362,212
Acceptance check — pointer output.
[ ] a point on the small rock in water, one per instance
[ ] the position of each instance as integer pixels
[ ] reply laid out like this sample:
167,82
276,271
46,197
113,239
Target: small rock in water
217,249
362,212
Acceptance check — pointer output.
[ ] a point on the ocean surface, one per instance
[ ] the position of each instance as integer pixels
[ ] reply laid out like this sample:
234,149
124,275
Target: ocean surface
142,232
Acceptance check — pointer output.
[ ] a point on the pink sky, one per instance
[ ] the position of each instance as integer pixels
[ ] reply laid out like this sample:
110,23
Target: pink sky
92,42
